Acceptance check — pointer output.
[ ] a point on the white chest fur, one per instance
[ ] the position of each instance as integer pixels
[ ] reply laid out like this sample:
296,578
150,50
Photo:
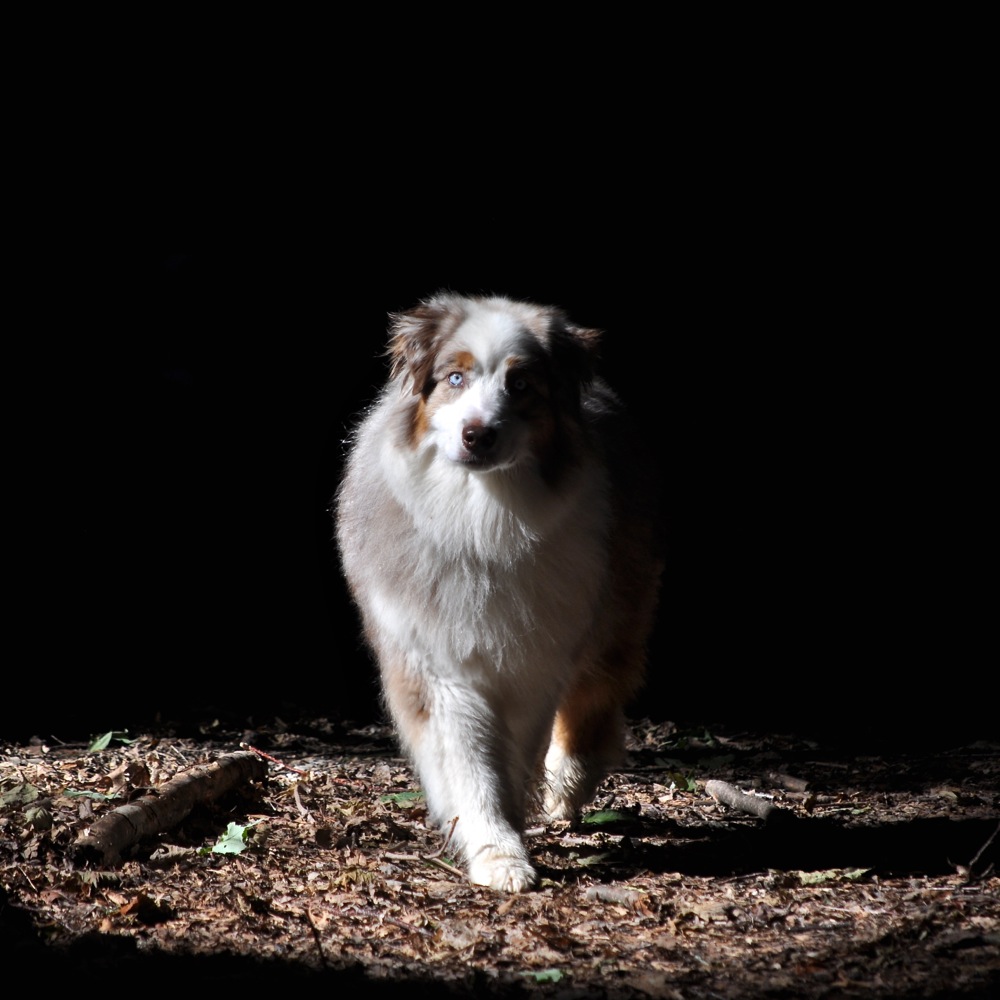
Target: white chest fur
492,573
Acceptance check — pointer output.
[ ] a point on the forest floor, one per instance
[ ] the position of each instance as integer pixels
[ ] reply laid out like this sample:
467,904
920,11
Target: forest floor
869,876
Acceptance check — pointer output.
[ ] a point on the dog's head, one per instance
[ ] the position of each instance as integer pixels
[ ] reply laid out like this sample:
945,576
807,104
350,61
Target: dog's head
494,382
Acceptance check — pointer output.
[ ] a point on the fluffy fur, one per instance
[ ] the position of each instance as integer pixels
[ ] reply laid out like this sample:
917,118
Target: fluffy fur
497,531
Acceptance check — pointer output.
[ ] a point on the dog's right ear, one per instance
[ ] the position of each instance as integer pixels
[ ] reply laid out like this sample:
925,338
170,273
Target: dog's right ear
414,336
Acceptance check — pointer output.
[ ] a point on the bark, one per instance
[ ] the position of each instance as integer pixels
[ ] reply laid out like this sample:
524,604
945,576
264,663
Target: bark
171,802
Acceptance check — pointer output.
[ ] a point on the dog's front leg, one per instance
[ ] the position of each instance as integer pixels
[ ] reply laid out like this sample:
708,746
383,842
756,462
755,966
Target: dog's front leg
469,768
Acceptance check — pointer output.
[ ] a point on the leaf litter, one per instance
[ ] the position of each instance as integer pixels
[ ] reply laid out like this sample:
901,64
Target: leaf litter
867,877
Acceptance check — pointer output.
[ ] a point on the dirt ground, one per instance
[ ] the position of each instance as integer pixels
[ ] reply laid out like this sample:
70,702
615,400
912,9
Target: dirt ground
871,876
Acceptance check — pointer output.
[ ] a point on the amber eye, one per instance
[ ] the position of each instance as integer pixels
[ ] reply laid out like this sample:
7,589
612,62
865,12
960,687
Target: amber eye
455,379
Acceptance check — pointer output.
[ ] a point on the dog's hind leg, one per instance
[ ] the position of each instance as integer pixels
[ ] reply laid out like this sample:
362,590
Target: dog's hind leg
588,735
587,740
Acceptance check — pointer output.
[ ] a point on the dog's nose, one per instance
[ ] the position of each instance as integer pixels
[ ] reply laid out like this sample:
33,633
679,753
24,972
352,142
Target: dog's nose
478,438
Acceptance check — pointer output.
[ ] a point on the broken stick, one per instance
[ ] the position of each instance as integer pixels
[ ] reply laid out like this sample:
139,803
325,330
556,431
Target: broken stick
167,806
731,796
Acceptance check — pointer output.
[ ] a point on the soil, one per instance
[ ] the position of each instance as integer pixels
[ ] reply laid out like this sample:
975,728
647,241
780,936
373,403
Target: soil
859,875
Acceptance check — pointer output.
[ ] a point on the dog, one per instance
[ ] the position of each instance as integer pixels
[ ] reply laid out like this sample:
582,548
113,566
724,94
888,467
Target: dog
498,532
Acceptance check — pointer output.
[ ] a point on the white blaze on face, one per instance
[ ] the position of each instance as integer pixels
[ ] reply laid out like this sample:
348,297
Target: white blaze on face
490,337
452,419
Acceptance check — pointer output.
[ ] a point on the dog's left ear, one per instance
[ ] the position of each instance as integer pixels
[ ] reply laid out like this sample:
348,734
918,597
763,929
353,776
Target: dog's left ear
588,341
575,350
413,339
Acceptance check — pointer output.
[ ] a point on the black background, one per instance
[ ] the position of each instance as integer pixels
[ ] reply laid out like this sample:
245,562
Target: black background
805,376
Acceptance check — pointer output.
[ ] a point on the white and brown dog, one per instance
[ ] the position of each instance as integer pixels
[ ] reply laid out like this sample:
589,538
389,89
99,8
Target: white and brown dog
497,531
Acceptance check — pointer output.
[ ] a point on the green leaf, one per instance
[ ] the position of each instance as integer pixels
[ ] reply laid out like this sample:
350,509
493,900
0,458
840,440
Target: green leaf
19,795
544,975
103,741
605,817
600,858
402,798
74,793
681,781
854,874
38,817
233,841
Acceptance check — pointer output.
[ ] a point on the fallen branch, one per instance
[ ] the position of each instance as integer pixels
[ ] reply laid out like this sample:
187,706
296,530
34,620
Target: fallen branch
166,807
787,781
731,796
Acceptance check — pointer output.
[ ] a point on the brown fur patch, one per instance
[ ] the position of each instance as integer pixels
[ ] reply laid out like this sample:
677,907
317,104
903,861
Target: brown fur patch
462,361
420,422
589,721
415,337
406,694
434,390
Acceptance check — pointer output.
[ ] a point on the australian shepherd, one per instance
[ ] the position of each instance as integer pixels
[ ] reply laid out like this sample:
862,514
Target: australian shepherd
498,532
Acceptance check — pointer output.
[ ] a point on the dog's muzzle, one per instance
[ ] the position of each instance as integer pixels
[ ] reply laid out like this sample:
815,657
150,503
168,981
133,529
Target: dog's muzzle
479,440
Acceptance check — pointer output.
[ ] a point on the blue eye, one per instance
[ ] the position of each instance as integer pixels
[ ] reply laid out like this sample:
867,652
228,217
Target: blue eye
455,379
517,384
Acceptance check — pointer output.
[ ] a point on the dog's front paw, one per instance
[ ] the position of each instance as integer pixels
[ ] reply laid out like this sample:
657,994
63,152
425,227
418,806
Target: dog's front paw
505,872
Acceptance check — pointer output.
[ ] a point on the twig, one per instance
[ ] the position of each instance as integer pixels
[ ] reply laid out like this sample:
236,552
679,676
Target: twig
787,781
274,760
434,858
317,939
444,866
303,811
427,859
968,870
447,841
305,774
731,796
617,895
27,879
989,841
